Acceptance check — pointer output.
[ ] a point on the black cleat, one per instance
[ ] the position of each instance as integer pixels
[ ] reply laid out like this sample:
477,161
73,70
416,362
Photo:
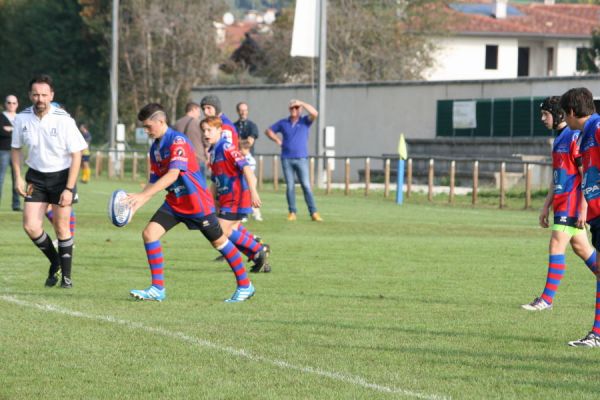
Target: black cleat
66,283
53,276
266,268
260,261
220,258
52,280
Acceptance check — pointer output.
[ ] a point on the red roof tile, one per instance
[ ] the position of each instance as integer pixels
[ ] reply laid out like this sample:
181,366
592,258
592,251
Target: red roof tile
558,20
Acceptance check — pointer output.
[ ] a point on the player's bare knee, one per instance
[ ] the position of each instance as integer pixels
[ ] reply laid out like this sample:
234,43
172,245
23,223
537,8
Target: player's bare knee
556,246
148,235
219,242
33,231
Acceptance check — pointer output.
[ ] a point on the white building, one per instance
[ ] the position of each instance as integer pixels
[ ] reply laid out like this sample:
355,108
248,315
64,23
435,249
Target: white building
497,39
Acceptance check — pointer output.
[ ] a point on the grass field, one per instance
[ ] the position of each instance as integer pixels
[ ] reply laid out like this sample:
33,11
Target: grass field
378,302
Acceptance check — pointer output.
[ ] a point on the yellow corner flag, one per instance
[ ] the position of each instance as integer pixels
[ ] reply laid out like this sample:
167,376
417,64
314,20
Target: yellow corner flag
402,148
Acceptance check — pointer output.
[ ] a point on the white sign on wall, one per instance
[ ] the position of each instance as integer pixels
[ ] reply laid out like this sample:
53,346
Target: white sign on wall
463,115
330,136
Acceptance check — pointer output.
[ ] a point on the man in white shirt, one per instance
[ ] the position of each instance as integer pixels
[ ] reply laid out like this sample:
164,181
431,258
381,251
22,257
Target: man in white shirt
54,158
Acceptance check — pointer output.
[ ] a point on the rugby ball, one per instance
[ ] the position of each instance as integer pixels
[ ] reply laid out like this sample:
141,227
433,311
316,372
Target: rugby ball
119,212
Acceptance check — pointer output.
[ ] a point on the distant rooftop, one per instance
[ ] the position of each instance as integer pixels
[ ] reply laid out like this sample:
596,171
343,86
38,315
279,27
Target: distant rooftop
529,19
483,9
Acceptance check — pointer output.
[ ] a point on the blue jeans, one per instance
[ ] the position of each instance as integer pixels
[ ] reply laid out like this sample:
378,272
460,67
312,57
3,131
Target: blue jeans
4,163
299,166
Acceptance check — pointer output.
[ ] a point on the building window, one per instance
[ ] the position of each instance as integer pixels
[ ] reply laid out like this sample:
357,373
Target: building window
523,62
585,58
491,56
550,61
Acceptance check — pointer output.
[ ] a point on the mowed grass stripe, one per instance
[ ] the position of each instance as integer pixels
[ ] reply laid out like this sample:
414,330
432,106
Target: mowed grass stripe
137,326
423,297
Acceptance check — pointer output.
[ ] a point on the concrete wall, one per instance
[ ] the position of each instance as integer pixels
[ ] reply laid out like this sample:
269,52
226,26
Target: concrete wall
369,118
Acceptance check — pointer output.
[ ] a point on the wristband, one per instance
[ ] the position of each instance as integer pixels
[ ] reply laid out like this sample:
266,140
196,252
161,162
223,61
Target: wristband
69,189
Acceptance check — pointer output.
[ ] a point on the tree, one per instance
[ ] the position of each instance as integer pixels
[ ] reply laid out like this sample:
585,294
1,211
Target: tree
589,59
32,42
366,41
166,47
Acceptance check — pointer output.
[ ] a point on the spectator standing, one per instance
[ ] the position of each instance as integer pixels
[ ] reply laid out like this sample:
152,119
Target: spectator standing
86,172
7,120
294,132
189,125
54,159
246,129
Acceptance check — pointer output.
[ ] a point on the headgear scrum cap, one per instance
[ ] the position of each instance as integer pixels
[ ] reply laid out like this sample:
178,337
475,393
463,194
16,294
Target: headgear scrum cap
211,100
552,105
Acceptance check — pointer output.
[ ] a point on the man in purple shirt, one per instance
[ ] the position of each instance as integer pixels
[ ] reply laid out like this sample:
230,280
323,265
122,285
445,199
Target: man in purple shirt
294,132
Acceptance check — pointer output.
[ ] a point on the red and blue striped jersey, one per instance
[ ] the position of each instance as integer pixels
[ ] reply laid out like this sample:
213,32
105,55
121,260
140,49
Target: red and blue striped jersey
188,195
567,180
590,158
229,132
227,165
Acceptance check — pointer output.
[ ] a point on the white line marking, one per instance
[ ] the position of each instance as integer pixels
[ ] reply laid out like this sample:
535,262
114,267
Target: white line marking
338,376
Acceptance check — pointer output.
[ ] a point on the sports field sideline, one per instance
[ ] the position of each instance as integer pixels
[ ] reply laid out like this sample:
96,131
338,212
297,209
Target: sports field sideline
378,302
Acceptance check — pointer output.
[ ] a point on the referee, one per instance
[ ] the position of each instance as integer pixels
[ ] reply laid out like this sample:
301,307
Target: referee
54,156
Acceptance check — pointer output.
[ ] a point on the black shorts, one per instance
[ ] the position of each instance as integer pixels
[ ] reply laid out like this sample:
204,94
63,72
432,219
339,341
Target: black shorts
208,225
595,230
232,216
567,221
46,187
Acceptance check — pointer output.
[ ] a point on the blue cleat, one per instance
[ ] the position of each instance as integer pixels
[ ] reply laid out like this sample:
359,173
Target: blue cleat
241,294
151,293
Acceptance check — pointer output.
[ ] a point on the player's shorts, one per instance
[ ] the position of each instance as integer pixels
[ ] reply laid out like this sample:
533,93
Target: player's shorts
232,216
571,230
85,158
208,225
567,225
595,230
46,187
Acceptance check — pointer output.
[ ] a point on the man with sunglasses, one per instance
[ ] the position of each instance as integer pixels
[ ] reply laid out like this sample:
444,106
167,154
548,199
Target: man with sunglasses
8,118
294,132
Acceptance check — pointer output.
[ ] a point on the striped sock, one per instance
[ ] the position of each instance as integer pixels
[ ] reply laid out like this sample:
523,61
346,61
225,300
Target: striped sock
50,215
591,262
155,261
72,221
556,269
234,258
245,231
245,242
596,328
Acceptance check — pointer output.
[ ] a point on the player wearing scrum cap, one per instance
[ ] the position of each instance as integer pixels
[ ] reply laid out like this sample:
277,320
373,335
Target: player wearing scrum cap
566,200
